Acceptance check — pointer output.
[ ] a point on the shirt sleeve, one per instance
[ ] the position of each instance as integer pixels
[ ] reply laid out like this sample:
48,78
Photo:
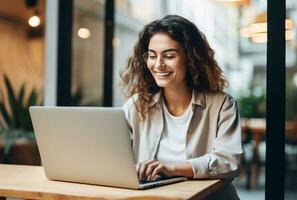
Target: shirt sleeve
224,159
129,118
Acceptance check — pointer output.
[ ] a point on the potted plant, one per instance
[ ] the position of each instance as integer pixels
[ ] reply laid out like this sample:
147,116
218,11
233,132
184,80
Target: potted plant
16,132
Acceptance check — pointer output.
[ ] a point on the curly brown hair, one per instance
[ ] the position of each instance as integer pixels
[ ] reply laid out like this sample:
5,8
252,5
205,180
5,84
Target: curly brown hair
203,74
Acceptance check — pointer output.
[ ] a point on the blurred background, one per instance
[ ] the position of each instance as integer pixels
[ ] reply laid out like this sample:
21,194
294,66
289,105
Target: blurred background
31,54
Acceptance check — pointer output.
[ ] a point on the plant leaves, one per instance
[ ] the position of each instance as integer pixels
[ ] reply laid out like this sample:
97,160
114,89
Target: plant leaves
13,103
5,114
32,100
21,95
18,120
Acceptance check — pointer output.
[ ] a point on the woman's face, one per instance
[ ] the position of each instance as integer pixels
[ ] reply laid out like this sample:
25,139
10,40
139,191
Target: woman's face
166,61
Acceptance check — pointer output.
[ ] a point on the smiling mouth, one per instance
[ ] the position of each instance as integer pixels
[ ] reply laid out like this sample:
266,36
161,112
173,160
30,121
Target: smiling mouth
163,74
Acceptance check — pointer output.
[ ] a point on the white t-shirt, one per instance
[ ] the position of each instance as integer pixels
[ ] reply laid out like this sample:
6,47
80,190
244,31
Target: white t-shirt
172,147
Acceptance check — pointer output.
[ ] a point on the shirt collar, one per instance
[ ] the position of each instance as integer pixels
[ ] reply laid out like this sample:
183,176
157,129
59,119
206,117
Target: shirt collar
198,98
157,99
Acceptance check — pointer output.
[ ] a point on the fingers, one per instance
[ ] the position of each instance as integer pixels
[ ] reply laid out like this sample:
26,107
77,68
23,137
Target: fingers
142,169
157,177
160,169
150,169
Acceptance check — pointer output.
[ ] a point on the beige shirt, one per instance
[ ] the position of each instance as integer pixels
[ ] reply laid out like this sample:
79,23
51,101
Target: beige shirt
213,140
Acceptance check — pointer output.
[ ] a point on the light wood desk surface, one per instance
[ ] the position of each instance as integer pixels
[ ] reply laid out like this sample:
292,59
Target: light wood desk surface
30,182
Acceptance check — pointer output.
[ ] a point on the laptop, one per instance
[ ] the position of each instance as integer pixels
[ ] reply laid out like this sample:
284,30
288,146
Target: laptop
87,145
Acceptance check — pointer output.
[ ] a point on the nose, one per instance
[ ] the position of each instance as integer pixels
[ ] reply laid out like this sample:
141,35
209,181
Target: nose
159,62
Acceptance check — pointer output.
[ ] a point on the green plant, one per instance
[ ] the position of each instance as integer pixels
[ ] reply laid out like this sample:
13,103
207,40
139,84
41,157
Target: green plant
14,111
252,106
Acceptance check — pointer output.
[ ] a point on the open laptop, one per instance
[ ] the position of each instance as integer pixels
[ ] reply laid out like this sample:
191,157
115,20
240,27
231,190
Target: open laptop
87,145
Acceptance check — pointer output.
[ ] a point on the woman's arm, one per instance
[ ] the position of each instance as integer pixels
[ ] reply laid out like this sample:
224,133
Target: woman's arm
224,159
183,170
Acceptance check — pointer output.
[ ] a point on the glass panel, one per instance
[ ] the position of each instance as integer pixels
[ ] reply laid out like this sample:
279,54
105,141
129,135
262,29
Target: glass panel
248,85
129,20
88,52
291,103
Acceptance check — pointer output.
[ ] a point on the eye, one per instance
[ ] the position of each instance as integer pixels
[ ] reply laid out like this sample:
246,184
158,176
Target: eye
169,56
152,56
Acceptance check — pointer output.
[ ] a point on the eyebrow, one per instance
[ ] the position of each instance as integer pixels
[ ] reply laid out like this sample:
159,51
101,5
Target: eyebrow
167,50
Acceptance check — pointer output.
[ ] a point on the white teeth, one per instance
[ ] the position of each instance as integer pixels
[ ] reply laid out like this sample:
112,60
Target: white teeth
163,73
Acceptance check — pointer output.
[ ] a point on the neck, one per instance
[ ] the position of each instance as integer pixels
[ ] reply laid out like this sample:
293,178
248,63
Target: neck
177,100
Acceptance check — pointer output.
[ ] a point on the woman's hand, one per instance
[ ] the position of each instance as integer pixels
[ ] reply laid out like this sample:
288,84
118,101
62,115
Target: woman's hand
149,169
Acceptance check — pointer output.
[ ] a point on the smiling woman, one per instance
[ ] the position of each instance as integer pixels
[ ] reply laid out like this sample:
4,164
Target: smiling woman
192,49
181,121
168,69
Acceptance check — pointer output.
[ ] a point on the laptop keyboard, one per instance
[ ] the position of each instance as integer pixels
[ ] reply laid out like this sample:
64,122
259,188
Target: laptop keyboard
158,178
145,181
152,181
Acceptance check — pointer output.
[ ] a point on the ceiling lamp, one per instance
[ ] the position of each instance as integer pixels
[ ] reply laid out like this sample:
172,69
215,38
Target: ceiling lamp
257,31
84,33
34,21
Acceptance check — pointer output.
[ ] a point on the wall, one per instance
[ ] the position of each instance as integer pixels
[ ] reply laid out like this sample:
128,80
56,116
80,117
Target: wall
21,57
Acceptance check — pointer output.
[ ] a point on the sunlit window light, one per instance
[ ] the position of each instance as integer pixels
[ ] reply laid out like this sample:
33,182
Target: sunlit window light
84,33
290,35
259,38
234,1
289,24
257,32
245,32
34,21
262,37
262,27
116,42
258,27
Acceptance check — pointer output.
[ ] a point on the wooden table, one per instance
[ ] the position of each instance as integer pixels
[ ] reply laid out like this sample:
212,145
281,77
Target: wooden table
257,128
30,182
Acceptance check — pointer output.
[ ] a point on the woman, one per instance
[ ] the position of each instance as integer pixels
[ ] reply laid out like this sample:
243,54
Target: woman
181,121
